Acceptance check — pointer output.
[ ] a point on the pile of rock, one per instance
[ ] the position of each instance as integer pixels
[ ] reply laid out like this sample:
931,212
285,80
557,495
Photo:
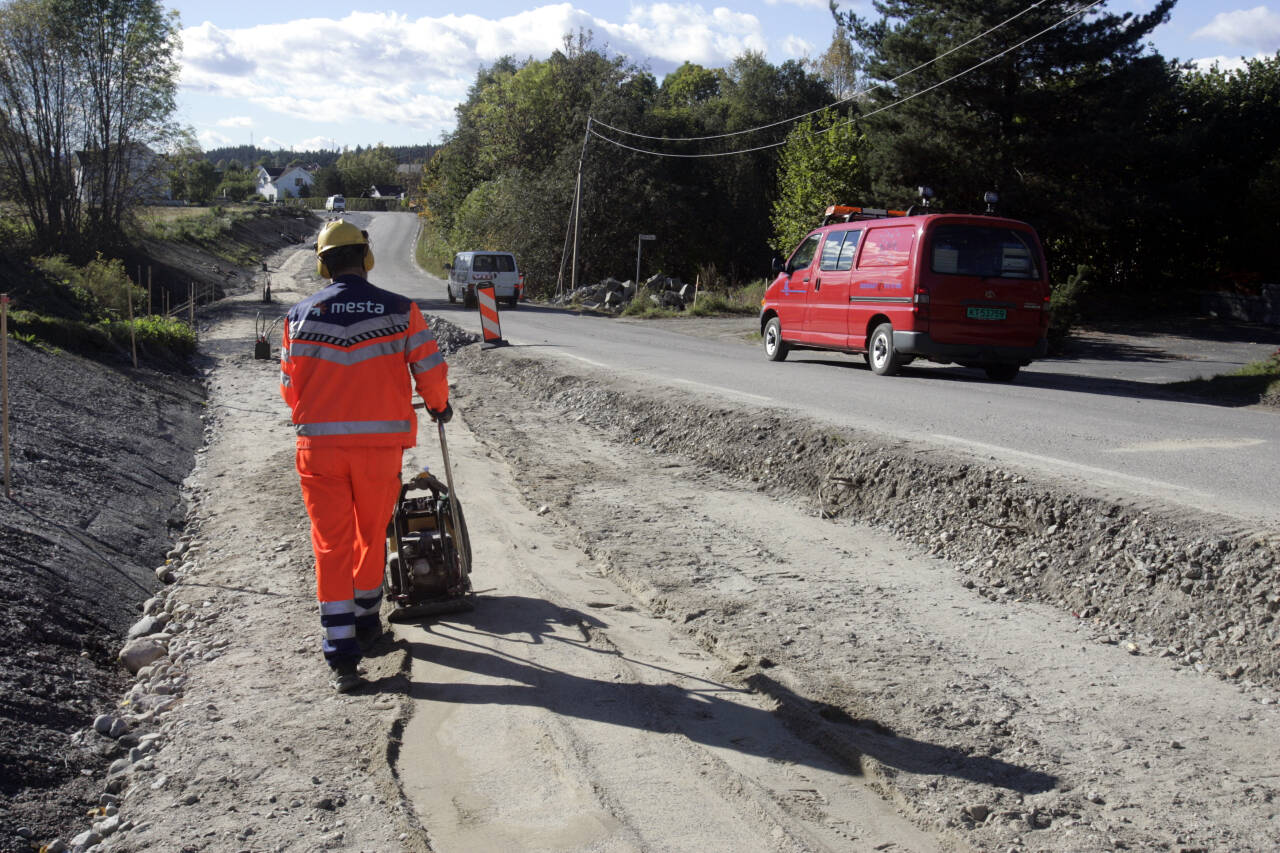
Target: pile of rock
155,653
663,291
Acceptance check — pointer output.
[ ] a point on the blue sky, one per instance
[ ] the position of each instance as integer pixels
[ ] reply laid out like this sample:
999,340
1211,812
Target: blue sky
309,75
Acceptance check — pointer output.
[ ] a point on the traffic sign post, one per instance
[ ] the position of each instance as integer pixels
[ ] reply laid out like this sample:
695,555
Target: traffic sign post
640,238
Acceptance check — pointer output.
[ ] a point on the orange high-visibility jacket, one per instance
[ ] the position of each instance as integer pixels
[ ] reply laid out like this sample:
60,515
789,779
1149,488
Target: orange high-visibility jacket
345,360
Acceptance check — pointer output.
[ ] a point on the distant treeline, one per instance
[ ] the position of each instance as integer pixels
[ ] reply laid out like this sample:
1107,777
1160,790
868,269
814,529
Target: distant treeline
1148,180
251,155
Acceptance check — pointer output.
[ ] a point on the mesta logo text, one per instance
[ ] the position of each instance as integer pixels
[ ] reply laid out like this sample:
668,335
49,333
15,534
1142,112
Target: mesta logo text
367,307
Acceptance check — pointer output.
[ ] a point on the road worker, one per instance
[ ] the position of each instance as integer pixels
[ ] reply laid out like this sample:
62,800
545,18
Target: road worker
349,357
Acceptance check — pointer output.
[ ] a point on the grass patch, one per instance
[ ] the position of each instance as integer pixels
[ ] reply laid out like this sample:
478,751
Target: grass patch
432,251
1258,382
162,339
737,302
743,301
211,228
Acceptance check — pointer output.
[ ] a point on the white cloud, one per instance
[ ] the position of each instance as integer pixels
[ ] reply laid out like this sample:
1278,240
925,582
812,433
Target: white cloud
1257,28
315,143
796,47
804,4
235,121
390,68
273,144
1226,63
212,139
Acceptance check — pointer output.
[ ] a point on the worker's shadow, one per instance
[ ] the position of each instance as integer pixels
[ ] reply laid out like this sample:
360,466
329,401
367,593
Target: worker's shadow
704,711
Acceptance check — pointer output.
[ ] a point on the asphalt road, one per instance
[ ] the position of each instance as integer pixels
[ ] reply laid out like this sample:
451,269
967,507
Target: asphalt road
1100,420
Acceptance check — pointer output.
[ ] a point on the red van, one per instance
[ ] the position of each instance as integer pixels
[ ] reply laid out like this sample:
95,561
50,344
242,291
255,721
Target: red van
963,288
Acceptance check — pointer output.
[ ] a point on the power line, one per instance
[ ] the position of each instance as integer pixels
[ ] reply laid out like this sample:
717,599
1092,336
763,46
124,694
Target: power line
971,68
838,103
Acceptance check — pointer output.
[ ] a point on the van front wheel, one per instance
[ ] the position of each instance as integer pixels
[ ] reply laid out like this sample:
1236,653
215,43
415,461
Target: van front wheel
449,289
775,349
881,355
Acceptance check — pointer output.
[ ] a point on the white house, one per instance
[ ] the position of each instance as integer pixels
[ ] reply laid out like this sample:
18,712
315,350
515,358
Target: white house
277,183
145,175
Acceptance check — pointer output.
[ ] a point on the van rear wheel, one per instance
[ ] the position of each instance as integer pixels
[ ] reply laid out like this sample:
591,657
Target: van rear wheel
1001,372
881,355
775,349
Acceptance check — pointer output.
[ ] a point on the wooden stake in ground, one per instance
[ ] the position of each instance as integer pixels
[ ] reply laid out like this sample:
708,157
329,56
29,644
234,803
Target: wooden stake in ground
133,332
4,386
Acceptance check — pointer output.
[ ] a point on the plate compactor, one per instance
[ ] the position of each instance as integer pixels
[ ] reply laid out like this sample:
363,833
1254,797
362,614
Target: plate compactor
429,551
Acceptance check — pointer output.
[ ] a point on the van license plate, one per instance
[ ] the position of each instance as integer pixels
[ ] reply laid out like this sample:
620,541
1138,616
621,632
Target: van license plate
985,313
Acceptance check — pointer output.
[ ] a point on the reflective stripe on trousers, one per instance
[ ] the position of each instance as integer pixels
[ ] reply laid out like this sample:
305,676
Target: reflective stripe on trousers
341,619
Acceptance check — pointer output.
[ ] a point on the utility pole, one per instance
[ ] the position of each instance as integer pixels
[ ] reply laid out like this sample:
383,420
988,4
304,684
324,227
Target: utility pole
577,209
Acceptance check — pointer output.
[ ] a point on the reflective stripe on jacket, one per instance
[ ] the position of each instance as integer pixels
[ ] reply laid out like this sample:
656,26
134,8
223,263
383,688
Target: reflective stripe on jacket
346,361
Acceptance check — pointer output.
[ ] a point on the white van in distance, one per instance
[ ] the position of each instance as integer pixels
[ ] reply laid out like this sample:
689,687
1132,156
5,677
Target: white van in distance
472,269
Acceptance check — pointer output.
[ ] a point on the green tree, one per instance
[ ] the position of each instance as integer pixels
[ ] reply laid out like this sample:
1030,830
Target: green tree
191,176
42,120
361,169
126,56
1059,127
328,181
237,184
820,165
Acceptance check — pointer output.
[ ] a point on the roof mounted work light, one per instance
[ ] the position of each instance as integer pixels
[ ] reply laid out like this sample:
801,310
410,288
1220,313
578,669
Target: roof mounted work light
991,198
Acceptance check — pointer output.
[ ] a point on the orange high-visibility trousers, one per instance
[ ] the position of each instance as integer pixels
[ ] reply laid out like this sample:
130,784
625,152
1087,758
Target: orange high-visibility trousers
350,493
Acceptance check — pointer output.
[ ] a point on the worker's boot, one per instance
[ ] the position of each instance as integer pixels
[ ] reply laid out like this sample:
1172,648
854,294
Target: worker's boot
346,674
369,632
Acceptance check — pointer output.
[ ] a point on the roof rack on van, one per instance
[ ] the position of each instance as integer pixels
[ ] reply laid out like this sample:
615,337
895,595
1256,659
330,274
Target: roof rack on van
844,213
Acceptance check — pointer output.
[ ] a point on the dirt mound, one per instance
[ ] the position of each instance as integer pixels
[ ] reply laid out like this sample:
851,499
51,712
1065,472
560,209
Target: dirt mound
1173,584
98,456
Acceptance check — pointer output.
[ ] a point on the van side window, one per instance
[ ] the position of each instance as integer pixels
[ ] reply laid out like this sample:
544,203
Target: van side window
462,263
848,250
803,256
888,247
831,250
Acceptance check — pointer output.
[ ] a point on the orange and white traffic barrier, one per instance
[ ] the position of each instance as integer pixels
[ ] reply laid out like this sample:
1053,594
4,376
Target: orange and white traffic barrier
489,325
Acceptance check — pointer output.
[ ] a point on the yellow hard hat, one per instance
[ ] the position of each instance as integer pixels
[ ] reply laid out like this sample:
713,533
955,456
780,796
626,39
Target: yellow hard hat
341,233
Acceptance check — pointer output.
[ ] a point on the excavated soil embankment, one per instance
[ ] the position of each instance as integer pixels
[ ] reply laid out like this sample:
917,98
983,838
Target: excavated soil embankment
1170,583
99,453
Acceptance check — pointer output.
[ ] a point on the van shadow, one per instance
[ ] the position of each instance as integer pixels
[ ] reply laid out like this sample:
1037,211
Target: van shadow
702,710
1047,379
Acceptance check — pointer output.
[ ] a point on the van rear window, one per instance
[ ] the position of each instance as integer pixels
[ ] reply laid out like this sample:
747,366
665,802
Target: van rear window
494,263
981,250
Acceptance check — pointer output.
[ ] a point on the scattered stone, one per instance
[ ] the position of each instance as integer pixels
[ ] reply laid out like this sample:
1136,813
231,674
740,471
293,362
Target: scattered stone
977,812
139,652
85,840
